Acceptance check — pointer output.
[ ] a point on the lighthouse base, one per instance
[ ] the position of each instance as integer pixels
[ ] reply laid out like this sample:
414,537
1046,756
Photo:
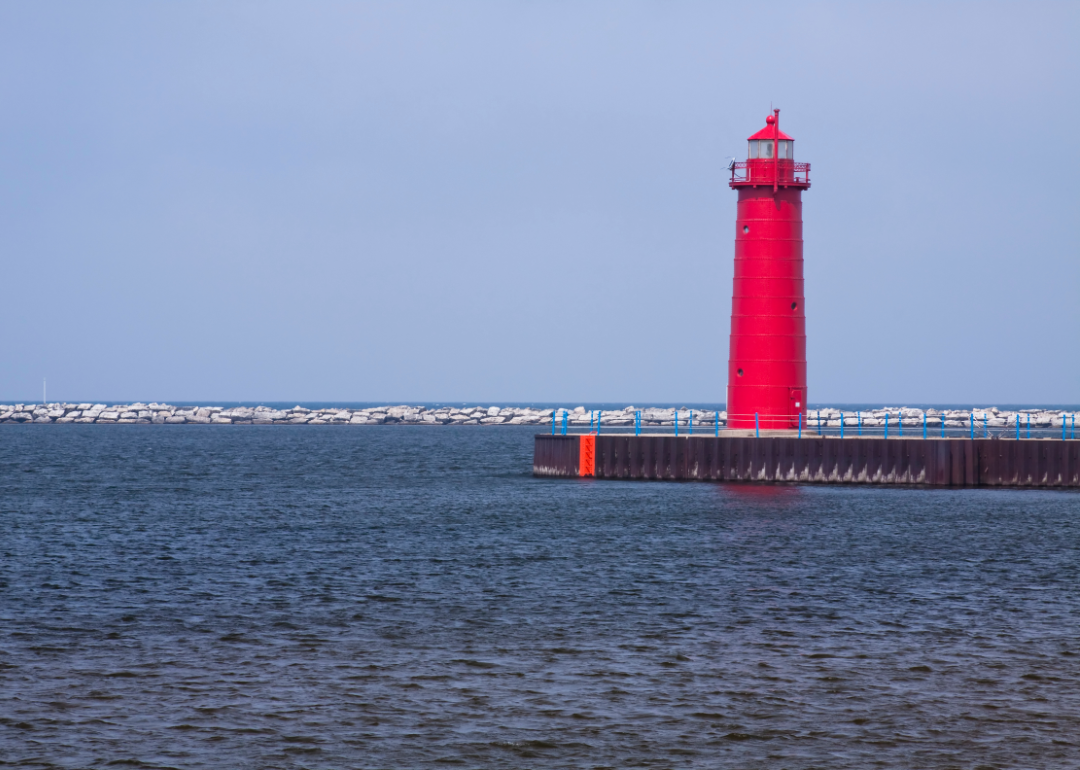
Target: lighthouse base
946,462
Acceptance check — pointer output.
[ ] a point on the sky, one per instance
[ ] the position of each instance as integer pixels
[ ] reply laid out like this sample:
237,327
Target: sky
528,201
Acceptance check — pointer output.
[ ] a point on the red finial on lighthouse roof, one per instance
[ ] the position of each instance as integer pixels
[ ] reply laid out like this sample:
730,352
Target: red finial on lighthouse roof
769,132
772,129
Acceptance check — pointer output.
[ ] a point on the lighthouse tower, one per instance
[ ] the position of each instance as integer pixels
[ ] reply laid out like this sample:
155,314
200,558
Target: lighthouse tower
767,359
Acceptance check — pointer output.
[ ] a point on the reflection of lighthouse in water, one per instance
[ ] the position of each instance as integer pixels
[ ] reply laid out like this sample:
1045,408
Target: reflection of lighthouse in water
767,361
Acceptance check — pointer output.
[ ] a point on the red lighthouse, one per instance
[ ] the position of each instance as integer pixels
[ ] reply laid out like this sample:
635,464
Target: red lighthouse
767,360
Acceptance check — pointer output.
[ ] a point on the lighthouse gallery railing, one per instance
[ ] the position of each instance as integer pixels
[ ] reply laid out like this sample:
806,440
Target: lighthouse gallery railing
766,171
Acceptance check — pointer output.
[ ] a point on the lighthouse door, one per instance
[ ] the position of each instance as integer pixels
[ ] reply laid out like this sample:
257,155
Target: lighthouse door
796,405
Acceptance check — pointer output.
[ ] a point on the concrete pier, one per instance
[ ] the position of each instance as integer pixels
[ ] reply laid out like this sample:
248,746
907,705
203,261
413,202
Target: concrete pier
934,462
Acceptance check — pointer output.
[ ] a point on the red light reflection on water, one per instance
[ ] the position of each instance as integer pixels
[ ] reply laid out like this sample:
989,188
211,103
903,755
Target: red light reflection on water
762,509
762,493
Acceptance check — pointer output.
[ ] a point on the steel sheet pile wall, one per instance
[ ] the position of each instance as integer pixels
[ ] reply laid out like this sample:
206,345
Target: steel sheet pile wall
556,456
932,462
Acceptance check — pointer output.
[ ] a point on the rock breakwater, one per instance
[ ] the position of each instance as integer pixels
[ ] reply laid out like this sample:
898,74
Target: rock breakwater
166,414
577,417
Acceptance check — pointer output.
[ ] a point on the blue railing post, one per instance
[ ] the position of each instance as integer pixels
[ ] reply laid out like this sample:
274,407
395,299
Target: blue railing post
564,422
841,424
924,426
1017,426
858,416
1029,426
900,423
943,423
757,429
819,422
691,431
886,425
599,416
676,422
554,412
800,424
1062,426
637,422
971,421
716,418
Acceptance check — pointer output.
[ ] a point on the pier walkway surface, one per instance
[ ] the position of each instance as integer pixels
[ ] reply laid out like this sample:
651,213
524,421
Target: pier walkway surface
935,462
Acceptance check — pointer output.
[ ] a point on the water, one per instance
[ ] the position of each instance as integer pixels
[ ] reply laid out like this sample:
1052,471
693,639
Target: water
203,597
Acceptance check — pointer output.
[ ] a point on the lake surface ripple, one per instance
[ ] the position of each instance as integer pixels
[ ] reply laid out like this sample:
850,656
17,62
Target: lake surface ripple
200,597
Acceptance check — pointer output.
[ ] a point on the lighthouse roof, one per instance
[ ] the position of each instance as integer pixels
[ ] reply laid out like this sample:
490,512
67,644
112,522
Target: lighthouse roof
767,133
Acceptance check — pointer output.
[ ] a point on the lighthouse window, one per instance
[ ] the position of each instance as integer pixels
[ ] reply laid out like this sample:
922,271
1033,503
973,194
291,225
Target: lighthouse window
760,148
763,148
